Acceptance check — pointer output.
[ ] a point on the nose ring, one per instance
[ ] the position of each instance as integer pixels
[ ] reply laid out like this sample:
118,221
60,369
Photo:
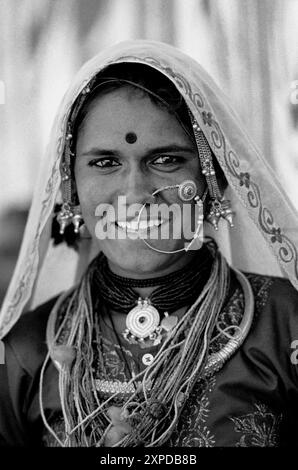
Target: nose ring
187,190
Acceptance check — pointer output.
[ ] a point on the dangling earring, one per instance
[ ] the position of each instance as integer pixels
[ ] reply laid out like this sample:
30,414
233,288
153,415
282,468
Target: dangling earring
69,213
219,207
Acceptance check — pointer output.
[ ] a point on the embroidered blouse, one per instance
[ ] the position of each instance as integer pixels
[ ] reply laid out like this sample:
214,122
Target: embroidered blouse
251,401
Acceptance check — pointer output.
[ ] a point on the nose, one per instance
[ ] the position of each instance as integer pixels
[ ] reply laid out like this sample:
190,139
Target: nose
137,187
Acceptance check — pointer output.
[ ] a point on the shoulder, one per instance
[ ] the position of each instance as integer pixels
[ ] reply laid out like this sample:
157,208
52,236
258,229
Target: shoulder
27,339
276,290
276,305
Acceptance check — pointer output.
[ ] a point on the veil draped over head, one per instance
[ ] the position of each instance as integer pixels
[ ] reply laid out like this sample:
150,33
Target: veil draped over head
265,235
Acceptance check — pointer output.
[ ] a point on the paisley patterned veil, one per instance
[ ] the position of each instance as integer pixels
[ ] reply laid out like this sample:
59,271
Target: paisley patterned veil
265,235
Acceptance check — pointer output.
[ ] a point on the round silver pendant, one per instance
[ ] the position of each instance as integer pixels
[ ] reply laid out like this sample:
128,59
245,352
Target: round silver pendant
142,320
147,359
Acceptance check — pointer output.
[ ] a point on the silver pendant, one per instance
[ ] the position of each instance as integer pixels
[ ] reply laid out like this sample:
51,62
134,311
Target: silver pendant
143,325
147,359
141,322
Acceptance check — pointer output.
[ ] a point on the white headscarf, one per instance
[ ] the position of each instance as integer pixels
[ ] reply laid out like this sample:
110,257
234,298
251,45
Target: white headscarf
265,236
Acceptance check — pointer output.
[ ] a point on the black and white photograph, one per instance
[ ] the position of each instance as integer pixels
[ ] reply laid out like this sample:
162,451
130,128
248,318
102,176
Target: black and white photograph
149,227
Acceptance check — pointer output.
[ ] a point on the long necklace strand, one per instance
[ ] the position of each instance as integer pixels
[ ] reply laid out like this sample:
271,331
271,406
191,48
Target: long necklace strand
178,374
176,367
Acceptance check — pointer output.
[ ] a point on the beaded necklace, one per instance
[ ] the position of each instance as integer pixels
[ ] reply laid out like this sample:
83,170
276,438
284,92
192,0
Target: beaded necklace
174,290
179,363
149,320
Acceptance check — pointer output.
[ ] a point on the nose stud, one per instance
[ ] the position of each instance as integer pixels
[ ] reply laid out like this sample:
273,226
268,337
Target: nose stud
187,190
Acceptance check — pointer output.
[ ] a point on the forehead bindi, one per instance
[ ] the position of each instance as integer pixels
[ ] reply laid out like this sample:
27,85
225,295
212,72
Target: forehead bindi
128,119
131,137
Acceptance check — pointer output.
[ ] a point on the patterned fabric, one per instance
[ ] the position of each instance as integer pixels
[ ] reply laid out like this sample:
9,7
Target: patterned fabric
209,419
228,319
192,430
261,287
260,428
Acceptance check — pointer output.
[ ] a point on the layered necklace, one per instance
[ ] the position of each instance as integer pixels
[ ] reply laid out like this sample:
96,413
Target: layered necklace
149,319
182,358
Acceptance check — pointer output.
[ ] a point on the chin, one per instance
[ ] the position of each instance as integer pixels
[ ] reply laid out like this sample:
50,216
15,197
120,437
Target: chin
135,258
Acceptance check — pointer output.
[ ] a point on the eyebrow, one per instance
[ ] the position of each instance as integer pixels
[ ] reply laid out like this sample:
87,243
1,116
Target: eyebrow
96,151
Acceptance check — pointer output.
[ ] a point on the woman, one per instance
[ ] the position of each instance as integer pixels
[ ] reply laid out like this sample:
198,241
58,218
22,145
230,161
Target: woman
154,339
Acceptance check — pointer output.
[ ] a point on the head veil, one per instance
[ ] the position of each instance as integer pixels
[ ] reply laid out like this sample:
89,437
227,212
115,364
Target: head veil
265,235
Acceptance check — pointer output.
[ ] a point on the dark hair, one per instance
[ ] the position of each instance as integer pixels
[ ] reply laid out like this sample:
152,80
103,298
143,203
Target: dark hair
139,78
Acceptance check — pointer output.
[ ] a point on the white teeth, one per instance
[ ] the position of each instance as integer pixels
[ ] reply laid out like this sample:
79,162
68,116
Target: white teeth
143,225
134,226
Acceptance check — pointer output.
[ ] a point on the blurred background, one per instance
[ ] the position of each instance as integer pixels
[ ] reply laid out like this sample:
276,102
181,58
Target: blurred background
250,47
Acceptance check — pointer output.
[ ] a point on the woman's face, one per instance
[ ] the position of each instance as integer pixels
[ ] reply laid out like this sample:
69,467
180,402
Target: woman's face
127,148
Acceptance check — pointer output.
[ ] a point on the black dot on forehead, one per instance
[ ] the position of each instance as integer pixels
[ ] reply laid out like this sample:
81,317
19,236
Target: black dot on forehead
131,137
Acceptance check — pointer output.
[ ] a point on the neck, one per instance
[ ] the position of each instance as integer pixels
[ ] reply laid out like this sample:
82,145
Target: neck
167,290
172,264
177,263
145,291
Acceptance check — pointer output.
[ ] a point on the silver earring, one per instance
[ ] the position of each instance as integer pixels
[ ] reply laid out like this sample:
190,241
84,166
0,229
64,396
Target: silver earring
69,215
219,207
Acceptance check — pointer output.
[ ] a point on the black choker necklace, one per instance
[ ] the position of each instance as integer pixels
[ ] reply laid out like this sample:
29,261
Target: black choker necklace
165,280
175,290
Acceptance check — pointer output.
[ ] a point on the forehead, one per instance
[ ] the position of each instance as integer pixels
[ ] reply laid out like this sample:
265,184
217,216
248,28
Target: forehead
111,116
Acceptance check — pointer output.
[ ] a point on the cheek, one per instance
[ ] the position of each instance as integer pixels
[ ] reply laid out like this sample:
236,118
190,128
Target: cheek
193,172
88,197
89,191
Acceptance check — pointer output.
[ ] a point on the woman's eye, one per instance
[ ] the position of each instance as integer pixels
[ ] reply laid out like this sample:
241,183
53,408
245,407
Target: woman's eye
167,160
104,162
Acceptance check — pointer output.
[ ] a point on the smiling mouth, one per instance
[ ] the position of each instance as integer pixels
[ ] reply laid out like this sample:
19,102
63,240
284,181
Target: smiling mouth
142,226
